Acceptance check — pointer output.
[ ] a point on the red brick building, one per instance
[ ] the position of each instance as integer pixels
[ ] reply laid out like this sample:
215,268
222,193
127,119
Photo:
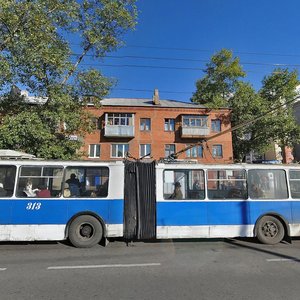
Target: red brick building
157,128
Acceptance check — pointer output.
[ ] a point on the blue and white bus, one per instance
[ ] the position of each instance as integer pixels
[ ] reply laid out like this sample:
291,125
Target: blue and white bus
86,201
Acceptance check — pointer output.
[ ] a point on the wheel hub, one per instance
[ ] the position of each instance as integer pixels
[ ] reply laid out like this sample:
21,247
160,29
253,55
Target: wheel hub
270,229
86,230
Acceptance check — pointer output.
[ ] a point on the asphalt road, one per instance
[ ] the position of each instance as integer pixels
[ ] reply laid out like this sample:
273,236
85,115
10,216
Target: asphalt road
194,269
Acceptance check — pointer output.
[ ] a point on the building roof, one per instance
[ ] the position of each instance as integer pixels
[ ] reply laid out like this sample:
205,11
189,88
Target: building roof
148,103
7,154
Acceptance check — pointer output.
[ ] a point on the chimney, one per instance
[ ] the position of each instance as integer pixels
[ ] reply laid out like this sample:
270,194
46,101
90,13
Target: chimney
156,97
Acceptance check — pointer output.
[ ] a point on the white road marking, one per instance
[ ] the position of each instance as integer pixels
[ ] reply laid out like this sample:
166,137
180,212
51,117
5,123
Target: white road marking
282,259
3,269
104,266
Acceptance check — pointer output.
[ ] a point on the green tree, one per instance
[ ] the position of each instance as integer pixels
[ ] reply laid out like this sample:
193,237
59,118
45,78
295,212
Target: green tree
246,105
35,53
269,109
279,91
218,85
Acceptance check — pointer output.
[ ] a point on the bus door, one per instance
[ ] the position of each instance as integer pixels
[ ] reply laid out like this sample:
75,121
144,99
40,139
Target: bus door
139,201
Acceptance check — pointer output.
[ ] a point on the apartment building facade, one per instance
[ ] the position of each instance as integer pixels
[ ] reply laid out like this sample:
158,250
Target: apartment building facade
154,128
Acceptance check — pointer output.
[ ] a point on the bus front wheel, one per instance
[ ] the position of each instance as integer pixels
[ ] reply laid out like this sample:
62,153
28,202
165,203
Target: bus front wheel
85,232
270,230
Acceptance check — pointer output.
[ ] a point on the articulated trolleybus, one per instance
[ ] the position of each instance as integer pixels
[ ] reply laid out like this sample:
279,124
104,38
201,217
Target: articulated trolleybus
86,201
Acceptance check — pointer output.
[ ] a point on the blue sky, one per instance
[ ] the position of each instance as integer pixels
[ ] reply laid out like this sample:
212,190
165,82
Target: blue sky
174,39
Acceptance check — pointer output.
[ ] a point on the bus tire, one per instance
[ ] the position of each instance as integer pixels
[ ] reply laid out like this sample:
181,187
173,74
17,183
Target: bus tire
270,230
85,232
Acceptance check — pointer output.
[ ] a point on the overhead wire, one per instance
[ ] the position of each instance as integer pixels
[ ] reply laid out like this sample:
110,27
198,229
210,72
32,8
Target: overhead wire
236,127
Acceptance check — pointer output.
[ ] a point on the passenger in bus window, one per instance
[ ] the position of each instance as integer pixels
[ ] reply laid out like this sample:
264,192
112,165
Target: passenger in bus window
177,194
3,192
196,185
74,185
67,193
255,191
29,191
43,192
103,189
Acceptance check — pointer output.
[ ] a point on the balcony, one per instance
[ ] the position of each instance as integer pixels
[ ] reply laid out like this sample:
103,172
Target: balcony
194,126
194,132
119,131
119,125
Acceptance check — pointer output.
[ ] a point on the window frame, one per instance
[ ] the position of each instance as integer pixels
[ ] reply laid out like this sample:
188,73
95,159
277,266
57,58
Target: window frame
214,125
144,122
99,191
166,145
41,176
8,179
119,119
217,155
265,192
124,150
168,123
200,121
188,152
228,184
94,151
187,179
95,123
145,152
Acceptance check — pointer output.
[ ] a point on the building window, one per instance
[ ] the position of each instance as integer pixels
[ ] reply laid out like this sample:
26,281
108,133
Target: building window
95,123
196,151
145,150
119,150
169,125
216,125
119,119
145,124
194,121
169,149
94,150
217,151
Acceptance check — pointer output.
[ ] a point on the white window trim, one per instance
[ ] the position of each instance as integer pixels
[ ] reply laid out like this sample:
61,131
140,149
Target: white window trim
143,155
123,151
94,151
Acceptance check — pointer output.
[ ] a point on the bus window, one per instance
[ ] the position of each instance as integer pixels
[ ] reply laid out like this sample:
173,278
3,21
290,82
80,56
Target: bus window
40,181
7,180
184,184
86,182
267,184
226,184
295,183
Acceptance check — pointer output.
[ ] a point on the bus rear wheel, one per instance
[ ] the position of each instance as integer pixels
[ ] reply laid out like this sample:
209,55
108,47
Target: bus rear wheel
270,230
85,232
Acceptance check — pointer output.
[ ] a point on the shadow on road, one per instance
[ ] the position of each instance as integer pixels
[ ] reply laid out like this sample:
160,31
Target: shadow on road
242,244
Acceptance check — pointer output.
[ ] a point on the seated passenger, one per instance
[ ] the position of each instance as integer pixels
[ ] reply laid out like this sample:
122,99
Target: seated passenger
43,192
67,193
3,192
74,185
255,191
196,185
177,194
29,191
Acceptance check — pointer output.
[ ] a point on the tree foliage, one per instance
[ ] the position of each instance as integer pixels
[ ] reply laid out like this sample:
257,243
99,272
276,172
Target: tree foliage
222,73
35,54
272,105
